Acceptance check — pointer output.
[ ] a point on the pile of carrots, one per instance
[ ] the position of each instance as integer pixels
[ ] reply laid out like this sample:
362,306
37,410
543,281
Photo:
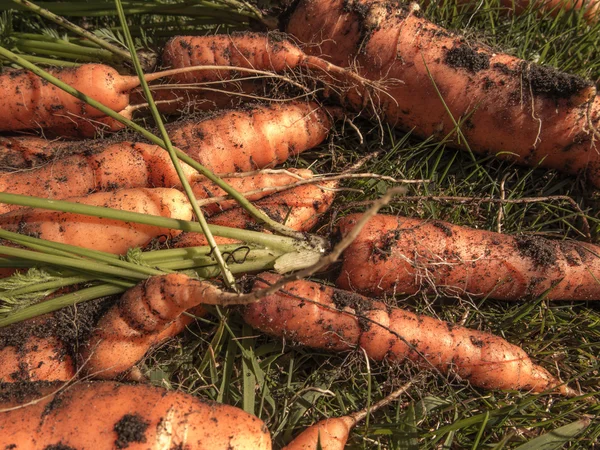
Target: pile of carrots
373,58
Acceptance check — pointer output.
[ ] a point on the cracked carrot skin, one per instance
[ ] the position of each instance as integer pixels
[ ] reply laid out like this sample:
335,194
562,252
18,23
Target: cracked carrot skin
146,315
323,317
96,233
108,415
400,255
537,114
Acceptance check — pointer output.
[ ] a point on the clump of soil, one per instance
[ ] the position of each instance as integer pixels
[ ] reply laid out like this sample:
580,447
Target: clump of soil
466,57
131,428
553,83
541,252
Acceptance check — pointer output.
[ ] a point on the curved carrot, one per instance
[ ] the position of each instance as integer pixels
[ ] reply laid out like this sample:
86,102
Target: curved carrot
298,208
146,315
323,317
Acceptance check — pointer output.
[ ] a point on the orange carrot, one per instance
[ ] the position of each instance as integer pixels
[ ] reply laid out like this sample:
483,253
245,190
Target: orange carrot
323,317
538,115
232,141
146,315
402,255
259,183
107,415
263,136
332,434
31,102
107,235
298,208
29,151
267,52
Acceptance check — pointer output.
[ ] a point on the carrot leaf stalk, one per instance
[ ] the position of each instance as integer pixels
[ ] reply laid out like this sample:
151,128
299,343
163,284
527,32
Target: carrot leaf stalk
122,54
227,276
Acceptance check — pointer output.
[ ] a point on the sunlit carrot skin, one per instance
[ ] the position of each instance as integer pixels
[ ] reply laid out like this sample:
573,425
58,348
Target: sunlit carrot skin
400,255
232,141
324,317
107,235
263,136
31,102
247,50
205,189
330,434
298,208
508,107
107,415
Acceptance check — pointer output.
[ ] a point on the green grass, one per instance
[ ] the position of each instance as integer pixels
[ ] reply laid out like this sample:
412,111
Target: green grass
220,358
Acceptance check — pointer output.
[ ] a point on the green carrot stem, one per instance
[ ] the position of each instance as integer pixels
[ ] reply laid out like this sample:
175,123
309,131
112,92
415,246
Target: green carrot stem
47,61
252,210
73,263
65,48
66,250
58,53
74,28
104,290
56,303
51,285
282,243
227,275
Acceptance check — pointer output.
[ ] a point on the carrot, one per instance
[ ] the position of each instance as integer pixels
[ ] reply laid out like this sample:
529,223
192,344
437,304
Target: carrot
539,116
591,9
332,434
327,318
103,234
267,52
404,256
83,127
31,102
146,315
263,136
299,208
258,183
107,415
232,141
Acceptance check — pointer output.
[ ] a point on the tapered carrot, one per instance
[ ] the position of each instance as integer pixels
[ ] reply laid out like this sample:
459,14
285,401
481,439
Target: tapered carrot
402,255
333,433
259,183
298,208
323,317
433,79
107,235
